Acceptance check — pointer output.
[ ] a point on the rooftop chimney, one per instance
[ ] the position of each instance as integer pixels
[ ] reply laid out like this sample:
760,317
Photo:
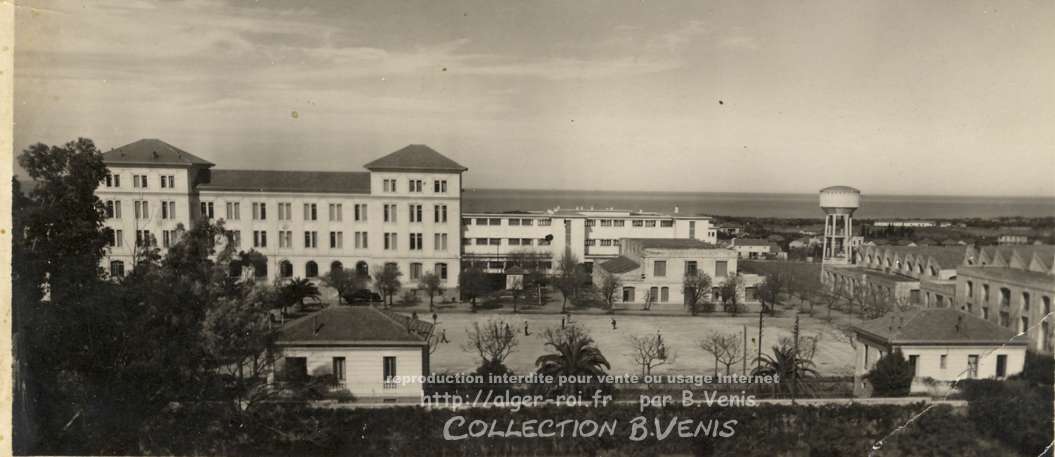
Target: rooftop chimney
676,209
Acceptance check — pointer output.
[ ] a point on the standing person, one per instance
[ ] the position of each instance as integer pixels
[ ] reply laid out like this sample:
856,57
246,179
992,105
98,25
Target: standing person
613,324
562,323
526,332
414,315
443,336
434,318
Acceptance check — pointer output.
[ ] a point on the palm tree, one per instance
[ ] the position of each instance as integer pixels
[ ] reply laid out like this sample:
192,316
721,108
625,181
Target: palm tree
789,369
297,290
576,356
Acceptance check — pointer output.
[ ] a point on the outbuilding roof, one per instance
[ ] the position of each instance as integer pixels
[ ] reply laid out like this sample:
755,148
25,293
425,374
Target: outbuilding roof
921,326
671,243
621,264
415,157
152,151
350,326
340,182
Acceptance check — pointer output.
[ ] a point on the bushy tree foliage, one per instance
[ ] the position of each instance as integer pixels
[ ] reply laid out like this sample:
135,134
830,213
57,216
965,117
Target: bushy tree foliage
891,376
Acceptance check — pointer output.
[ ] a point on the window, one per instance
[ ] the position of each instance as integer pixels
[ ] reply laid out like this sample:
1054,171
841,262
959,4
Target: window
206,210
259,239
660,268
1047,304
619,223
513,241
168,182
388,369
985,293
311,239
390,212
144,238
1001,365
338,368
415,213
415,185
336,240
1005,296
591,242
113,180
970,289
390,242
913,361
360,212
943,361
494,221
233,211
236,238
637,223
527,222
117,269
441,271
1025,301
139,181
113,209
168,238
664,294
525,241
481,241
311,269
260,211
691,267
606,222
494,241
543,242
514,222
285,239
650,223
439,186
1023,324
311,212
415,242
467,221
389,185
666,223
142,209
985,312
415,271
168,210
336,211
439,242
721,268
481,221
544,222
361,240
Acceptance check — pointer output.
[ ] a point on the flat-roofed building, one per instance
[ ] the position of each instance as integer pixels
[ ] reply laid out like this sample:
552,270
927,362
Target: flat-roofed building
1013,287
490,238
655,268
404,210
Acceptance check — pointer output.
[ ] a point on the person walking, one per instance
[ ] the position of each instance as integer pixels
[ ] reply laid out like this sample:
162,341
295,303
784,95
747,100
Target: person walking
613,324
443,336
526,332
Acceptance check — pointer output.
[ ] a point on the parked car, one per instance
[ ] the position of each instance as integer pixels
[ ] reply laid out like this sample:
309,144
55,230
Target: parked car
361,296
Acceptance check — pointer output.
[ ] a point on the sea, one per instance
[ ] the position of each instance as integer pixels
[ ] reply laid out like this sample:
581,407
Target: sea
758,205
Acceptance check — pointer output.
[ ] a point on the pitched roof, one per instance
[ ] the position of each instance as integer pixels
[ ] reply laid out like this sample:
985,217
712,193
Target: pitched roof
620,264
936,326
152,151
840,189
339,182
751,242
422,328
671,243
415,157
349,325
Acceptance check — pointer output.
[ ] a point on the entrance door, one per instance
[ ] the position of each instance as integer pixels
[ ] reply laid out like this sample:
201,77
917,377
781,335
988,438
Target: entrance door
628,294
1001,366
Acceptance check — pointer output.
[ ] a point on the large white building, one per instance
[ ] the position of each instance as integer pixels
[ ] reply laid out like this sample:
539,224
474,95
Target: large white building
404,210
590,235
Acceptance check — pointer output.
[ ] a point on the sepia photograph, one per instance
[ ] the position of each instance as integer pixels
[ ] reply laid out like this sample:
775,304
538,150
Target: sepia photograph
621,228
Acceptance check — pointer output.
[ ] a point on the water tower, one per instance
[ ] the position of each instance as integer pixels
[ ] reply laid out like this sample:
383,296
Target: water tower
839,204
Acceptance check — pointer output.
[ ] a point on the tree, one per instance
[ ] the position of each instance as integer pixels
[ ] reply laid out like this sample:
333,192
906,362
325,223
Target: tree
432,285
576,356
344,282
610,285
530,264
729,290
493,342
727,349
695,286
891,376
787,367
769,291
649,352
473,284
295,291
387,281
568,277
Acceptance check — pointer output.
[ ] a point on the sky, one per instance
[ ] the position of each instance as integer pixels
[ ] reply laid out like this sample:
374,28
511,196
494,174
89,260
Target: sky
889,96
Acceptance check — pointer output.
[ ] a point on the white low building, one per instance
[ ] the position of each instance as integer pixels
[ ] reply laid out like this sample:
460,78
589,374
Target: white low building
942,344
363,349
590,235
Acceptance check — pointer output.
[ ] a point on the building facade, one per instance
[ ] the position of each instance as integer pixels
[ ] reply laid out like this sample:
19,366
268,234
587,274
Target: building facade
404,210
590,235
653,270
1011,286
942,344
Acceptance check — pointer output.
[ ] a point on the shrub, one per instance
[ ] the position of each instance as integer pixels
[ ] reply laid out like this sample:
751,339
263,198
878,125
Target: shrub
892,376
410,298
1038,369
1015,413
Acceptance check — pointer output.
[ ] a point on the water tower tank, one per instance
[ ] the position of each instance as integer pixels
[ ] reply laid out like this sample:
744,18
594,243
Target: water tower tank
840,199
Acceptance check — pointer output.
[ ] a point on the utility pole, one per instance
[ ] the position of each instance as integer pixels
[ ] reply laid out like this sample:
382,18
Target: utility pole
758,361
795,361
